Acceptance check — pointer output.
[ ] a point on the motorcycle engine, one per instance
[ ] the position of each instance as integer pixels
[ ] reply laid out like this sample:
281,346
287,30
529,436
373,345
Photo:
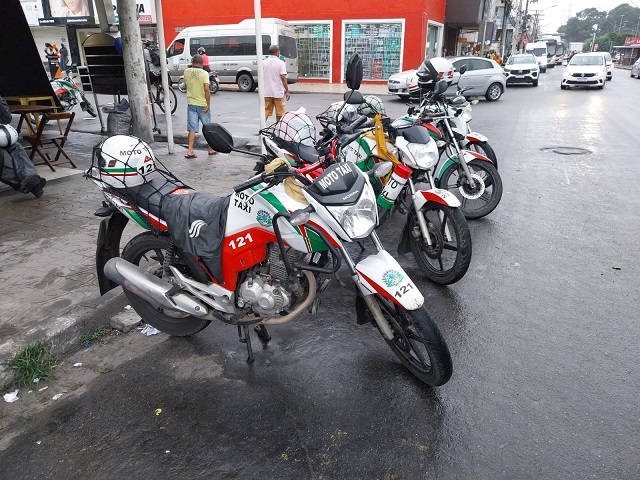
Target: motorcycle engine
264,290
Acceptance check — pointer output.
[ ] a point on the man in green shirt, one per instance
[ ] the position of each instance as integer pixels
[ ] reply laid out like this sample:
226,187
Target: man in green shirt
198,101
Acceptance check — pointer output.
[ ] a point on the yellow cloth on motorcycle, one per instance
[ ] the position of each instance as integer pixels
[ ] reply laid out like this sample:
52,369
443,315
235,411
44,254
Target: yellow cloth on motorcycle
291,186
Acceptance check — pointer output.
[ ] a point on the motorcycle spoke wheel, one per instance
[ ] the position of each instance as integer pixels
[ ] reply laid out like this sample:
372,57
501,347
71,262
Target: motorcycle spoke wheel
447,259
418,343
481,200
149,252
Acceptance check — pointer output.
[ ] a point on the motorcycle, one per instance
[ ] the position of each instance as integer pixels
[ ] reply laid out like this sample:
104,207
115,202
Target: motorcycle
214,83
277,238
436,232
69,95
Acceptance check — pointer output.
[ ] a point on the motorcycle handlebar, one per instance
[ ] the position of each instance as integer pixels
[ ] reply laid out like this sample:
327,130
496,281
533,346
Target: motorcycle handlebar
350,128
249,183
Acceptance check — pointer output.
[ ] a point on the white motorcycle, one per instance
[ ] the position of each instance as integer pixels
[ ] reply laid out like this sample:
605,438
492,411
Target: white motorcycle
69,95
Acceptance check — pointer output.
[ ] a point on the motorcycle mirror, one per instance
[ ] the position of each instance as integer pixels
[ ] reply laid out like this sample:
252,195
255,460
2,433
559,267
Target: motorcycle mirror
463,69
381,169
353,72
441,87
218,137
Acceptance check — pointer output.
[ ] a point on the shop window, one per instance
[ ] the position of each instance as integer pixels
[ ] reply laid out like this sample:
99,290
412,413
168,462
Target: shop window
379,46
314,49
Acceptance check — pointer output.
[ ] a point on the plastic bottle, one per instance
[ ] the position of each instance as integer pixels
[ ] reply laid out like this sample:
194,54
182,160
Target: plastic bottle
392,189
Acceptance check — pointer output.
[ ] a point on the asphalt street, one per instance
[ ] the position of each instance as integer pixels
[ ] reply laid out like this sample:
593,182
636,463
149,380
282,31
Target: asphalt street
542,330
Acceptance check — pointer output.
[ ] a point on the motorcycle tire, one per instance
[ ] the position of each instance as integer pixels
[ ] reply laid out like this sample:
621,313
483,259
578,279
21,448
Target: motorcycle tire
418,343
443,262
173,100
213,87
453,179
90,110
148,252
483,148
181,86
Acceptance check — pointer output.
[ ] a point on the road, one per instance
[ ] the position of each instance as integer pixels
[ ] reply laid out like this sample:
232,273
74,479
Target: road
542,329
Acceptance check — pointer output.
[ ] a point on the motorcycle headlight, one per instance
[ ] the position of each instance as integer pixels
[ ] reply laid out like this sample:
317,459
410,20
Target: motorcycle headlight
358,220
425,155
467,113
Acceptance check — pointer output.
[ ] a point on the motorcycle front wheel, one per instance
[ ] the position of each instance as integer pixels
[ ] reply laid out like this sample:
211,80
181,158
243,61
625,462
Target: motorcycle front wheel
149,252
418,343
480,200
445,261
90,110
213,87
181,86
173,100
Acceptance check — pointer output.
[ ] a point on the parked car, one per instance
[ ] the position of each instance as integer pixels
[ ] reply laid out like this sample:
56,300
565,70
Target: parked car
585,70
522,68
484,76
635,69
608,62
404,84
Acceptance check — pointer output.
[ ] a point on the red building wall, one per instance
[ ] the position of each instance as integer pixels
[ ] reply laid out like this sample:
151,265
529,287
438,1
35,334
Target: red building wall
178,13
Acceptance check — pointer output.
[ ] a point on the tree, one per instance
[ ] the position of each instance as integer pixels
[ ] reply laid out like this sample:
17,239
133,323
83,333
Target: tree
623,18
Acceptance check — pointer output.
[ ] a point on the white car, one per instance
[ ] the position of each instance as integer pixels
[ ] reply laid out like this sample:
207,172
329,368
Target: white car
522,68
585,70
608,62
404,83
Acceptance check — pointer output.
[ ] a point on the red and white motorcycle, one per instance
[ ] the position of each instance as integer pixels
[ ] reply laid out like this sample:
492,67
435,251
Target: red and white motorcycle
69,95
256,257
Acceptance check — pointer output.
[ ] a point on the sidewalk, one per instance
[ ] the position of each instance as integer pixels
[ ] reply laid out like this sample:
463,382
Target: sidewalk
48,284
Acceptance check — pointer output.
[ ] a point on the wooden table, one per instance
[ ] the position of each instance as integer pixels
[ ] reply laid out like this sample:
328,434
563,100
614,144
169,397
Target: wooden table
25,111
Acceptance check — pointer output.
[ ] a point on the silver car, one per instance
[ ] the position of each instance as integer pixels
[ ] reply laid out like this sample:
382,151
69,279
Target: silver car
635,70
484,77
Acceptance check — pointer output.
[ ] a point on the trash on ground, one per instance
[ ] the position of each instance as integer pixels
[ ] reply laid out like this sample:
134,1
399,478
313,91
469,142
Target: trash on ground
36,380
57,396
79,364
127,307
158,410
43,389
149,330
38,442
617,268
11,396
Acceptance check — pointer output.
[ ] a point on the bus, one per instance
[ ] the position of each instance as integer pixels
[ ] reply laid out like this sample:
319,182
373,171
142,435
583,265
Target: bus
232,50
555,49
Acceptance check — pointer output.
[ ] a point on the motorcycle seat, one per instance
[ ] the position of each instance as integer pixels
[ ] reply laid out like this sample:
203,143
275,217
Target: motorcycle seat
149,195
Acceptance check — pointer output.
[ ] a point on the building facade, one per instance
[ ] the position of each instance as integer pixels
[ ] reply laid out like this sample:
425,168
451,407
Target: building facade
389,39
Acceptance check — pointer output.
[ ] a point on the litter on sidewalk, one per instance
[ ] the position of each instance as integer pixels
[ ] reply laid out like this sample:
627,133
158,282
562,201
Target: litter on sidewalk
148,330
11,396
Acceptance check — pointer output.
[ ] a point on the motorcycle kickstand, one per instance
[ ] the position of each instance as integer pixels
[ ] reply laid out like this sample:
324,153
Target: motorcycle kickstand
243,333
263,335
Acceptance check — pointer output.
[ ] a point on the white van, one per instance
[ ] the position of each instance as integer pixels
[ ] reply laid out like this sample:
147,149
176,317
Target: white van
538,50
232,50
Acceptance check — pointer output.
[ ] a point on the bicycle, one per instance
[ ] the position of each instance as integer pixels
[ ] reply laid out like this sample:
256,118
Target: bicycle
158,97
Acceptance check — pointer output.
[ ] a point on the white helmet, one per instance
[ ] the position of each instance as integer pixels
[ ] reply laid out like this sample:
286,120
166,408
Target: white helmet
371,106
434,69
8,136
124,161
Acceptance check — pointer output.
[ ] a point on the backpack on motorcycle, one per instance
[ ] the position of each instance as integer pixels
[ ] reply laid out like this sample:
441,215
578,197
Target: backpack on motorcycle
155,57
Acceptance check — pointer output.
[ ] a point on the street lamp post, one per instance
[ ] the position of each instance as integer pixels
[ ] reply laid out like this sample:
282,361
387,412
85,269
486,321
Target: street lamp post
593,41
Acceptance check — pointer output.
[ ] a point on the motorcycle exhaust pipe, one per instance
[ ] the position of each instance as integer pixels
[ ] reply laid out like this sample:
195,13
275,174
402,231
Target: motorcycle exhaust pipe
151,288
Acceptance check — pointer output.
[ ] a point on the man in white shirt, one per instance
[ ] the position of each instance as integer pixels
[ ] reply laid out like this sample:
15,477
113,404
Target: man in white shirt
275,83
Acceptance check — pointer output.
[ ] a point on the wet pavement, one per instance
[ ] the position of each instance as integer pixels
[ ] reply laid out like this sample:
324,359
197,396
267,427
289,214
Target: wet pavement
542,332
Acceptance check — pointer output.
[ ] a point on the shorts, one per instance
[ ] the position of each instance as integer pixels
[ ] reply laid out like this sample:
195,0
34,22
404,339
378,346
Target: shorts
195,115
270,102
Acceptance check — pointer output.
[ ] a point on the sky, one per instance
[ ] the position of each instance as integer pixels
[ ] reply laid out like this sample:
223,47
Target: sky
558,15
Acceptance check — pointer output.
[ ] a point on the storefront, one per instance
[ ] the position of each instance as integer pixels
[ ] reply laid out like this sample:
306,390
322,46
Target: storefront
327,34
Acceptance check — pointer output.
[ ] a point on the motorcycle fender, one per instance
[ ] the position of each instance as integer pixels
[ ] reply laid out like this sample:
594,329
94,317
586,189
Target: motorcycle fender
382,274
404,246
476,137
468,156
434,195
108,247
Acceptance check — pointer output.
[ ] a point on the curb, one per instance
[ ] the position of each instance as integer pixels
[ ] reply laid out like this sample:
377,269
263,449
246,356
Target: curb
81,319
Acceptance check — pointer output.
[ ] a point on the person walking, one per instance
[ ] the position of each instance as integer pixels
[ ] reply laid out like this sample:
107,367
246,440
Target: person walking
64,57
16,169
198,102
275,83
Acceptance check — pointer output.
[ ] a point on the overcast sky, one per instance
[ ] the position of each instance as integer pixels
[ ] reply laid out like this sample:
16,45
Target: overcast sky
558,15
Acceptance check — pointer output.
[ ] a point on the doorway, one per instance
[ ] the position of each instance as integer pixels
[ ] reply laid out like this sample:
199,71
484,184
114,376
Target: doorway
434,40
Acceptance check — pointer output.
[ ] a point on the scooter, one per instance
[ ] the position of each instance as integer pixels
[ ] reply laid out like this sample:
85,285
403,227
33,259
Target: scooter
69,95
214,83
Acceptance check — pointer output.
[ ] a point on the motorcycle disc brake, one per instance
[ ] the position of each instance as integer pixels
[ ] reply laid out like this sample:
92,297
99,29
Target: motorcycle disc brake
472,193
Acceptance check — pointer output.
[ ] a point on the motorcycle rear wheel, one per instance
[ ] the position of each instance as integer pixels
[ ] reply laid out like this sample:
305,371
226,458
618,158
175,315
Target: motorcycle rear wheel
181,86
444,262
454,180
148,252
213,87
418,343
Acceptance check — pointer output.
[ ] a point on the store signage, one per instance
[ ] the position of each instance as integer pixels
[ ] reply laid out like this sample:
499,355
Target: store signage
632,41
63,12
146,11
32,11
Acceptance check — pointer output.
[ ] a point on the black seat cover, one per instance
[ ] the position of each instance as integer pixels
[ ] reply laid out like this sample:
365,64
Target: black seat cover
149,195
305,152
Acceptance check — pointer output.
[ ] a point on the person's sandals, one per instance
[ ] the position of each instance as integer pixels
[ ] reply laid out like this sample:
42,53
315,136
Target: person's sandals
213,153
190,156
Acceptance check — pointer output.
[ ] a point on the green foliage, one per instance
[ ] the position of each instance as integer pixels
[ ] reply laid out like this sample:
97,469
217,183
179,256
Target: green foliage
622,20
96,335
33,361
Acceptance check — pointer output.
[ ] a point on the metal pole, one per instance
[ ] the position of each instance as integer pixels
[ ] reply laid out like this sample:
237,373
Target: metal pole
524,27
258,16
165,75
484,30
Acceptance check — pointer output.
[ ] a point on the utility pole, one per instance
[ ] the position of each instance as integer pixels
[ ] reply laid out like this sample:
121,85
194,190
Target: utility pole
484,31
135,71
524,27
